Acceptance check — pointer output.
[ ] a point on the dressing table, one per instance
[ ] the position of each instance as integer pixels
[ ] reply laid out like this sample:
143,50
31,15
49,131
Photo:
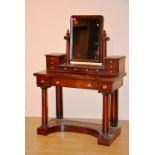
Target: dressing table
86,66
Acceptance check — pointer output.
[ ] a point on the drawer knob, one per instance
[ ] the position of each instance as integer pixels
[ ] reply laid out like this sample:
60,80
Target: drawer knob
52,67
87,69
89,85
52,58
57,82
75,69
65,69
110,62
52,63
42,81
104,86
111,66
111,71
97,70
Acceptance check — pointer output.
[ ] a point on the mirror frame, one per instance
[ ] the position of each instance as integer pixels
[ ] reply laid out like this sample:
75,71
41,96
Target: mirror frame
98,17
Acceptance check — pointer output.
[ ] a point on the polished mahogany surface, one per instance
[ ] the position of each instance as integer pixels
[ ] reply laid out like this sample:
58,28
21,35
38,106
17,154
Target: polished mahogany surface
87,42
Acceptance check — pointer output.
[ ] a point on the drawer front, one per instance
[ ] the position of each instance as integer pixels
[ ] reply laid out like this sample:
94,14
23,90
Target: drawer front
43,81
81,70
52,61
49,62
52,67
81,84
111,64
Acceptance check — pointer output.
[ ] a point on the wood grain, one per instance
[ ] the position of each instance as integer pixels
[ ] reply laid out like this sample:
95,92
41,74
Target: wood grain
68,143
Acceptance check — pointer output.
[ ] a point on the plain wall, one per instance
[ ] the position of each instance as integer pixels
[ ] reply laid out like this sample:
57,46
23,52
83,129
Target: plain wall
46,25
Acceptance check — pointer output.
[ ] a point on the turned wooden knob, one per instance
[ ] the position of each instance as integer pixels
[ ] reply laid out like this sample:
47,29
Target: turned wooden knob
75,69
57,82
104,86
87,69
52,63
89,85
65,69
42,81
111,66
97,70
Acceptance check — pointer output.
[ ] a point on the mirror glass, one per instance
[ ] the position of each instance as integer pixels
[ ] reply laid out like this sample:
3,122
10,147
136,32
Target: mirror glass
85,38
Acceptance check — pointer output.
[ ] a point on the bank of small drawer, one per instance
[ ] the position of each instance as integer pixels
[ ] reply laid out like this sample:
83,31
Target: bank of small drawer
53,62
114,65
80,84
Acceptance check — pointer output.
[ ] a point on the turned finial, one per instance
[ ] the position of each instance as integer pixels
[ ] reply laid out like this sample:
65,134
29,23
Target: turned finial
67,33
105,36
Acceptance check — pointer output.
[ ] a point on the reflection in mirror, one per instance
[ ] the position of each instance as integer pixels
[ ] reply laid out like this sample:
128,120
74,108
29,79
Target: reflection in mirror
85,34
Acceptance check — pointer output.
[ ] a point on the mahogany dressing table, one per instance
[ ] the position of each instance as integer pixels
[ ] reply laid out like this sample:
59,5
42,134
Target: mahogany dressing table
86,42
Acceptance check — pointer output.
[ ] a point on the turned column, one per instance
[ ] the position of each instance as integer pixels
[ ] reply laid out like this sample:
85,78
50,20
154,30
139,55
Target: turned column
59,103
105,117
67,37
44,108
114,109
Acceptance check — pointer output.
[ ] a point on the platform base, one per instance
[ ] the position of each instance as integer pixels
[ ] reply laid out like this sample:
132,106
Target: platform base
62,125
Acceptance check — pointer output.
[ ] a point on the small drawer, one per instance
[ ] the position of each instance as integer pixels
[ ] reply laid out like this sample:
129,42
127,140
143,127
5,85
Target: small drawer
53,61
111,70
52,58
43,81
52,67
111,64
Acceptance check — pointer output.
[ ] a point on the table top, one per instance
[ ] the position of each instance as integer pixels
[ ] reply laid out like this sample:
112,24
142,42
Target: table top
45,73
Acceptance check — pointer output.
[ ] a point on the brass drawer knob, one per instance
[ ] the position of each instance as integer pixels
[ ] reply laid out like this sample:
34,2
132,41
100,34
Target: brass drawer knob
104,86
42,81
57,82
89,85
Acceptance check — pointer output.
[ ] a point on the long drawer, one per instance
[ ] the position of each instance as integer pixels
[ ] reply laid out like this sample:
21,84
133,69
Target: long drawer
89,84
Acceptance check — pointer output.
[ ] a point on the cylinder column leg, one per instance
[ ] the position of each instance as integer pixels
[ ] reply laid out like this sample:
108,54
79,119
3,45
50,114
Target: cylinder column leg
44,108
105,119
59,103
114,109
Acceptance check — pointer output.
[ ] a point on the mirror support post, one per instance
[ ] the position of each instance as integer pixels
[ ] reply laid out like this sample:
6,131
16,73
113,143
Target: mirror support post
67,37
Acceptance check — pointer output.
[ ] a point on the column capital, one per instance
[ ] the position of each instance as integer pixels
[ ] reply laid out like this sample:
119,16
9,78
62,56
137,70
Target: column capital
104,92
